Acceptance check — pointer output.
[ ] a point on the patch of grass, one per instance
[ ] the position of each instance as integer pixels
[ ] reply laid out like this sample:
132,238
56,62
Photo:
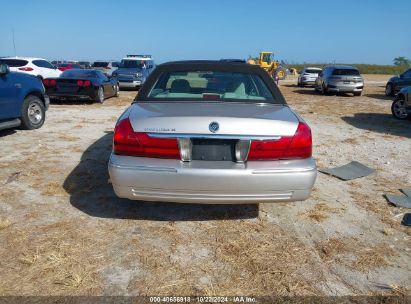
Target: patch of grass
4,223
320,212
68,137
355,254
54,189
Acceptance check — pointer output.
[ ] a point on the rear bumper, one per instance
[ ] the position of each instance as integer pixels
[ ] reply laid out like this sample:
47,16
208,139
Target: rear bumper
307,82
71,97
345,89
206,182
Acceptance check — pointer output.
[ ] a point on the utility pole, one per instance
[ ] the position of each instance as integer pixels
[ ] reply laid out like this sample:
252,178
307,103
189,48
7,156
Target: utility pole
14,44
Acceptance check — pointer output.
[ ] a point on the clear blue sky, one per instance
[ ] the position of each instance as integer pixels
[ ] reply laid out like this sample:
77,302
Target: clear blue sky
362,31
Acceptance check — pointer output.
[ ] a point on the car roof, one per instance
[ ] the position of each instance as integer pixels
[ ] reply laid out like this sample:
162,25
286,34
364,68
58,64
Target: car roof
312,68
214,64
25,58
137,58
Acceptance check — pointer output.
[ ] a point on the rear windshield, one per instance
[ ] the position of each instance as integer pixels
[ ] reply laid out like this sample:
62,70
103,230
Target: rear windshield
346,72
210,86
78,74
312,71
14,63
100,64
131,64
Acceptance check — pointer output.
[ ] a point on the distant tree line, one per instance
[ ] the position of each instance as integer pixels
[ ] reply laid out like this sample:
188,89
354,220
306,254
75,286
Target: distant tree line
400,65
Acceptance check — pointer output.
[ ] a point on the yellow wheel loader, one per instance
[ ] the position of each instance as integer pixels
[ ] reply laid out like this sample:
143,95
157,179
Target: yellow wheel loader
272,66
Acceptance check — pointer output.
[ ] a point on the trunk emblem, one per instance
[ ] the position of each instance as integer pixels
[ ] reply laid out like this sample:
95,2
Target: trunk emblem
213,127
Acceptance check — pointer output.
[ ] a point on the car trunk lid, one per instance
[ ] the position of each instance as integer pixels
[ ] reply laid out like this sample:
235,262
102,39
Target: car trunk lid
234,120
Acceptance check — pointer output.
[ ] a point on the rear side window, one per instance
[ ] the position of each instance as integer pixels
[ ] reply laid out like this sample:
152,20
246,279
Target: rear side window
346,72
14,63
100,64
210,86
311,71
43,64
78,74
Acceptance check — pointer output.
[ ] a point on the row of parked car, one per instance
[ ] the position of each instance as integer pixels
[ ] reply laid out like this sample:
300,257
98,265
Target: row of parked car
24,100
333,79
347,79
131,71
28,84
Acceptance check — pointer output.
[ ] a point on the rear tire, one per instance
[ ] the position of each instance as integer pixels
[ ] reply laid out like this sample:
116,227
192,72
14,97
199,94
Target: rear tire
100,95
398,109
389,89
33,113
324,90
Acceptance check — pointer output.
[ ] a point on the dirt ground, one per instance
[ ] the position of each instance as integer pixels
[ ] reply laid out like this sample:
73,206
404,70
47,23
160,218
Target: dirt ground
64,232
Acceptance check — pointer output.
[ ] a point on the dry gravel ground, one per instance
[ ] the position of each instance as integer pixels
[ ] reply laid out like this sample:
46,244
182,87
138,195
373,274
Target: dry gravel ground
64,232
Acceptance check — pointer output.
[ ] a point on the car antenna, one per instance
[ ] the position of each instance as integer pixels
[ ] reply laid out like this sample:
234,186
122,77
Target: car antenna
14,44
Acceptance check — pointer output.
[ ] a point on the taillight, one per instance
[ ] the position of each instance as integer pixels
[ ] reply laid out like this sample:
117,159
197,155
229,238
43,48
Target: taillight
83,83
28,69
129,143
298,146
49,82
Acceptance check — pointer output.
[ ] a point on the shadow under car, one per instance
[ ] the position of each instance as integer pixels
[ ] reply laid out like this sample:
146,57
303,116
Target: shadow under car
380,123
91,193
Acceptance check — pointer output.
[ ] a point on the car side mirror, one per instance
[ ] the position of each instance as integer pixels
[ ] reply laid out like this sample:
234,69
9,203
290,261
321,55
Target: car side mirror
401,75
4,69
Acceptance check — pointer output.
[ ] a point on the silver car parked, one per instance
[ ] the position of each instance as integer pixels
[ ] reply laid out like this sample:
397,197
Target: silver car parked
107,67
211,132
340,79
308,76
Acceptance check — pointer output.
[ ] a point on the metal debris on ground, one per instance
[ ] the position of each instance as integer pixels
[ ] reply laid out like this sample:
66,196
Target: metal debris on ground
406,191
349,171
399,200
406,220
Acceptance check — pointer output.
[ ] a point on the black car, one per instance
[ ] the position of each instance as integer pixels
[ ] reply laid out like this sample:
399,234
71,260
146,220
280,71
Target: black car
79,84
396,83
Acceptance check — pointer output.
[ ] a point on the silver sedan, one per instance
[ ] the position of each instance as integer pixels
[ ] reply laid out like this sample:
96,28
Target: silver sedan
211,132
